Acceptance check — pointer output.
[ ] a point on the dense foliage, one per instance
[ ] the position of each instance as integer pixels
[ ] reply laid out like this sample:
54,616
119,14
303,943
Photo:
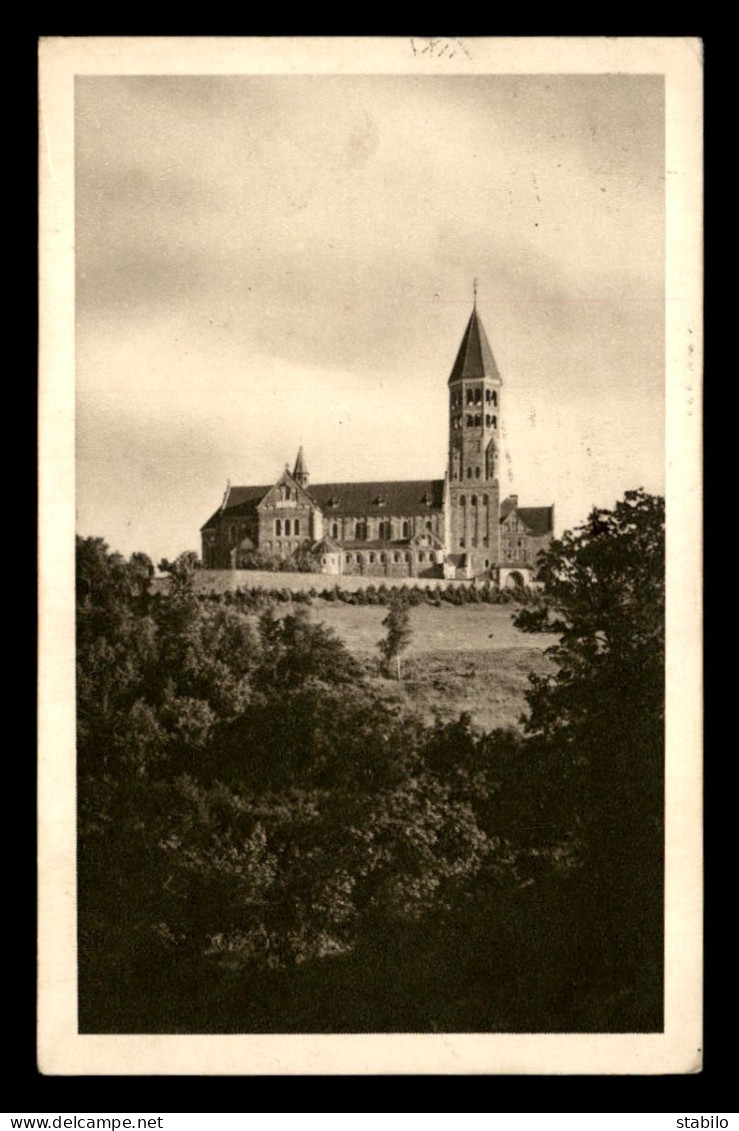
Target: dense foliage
264,844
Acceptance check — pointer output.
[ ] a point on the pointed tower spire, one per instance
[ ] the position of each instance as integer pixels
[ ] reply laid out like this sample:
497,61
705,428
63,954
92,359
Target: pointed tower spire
475,361
300,473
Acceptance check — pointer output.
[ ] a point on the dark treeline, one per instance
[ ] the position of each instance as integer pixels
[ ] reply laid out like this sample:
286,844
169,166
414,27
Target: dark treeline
266,845
259,596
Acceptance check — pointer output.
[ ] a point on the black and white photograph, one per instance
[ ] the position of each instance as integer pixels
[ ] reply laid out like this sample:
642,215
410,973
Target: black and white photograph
370,371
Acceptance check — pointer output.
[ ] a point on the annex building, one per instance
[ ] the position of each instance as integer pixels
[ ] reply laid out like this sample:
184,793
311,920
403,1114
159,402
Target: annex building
455,527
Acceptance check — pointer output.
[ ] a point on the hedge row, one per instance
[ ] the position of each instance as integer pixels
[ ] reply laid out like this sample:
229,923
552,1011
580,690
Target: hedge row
259,597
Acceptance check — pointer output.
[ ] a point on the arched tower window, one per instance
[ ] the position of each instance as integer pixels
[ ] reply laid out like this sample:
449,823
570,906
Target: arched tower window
297,526
335,530
287,526
278,527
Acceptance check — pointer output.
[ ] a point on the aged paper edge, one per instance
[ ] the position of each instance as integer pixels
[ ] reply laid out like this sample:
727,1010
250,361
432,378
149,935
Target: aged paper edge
62,1051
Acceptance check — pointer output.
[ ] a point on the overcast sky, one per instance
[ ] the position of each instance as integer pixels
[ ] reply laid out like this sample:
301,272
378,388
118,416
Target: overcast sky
268,261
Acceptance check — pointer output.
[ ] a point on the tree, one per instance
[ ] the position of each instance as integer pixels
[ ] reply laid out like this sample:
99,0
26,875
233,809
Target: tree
397,623
600,718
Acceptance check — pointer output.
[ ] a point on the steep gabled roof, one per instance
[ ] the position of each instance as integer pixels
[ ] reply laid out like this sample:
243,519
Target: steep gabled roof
239,503
475,359
413,496
537,520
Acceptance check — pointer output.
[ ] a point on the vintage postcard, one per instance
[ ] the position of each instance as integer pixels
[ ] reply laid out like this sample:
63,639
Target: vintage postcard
370,556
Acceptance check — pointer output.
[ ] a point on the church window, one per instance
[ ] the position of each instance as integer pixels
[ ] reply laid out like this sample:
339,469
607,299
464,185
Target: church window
477,473
360,559
323,561
488,419
469,472
396,557
407,557
360,531
484,500
406,529
429,525
478,420
297,526
470,420
487,563
287,525
278,527
487,396
348,559
495,398
421,556
462,500
335,530
473,501
372,559
432,556
382,558
495,422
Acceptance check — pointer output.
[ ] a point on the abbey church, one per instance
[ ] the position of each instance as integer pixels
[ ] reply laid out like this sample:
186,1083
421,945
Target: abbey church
456,527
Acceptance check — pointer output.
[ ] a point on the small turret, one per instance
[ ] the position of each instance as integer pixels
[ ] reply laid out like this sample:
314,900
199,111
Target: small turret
300,474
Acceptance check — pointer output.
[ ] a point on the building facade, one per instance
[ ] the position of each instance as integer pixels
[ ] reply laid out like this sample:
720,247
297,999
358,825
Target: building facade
455,527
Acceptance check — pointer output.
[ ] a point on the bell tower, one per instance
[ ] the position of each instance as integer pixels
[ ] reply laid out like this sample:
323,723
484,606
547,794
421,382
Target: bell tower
473,489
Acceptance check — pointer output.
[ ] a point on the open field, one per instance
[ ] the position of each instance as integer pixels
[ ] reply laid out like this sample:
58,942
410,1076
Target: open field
469,628
460,658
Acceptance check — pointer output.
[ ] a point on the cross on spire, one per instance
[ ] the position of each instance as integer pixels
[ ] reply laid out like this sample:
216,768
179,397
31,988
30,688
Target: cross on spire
474,293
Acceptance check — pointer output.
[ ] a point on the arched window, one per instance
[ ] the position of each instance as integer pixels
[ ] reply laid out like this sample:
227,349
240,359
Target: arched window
407,557
396,557
495,422
348,559
469,472
287,526
335,530
421,556
473,501
495,398
484,500
487,396
382,558
297,526
477,473
432,556
406,529
462,500
488,419
372,559
278,527
360,559
478,420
